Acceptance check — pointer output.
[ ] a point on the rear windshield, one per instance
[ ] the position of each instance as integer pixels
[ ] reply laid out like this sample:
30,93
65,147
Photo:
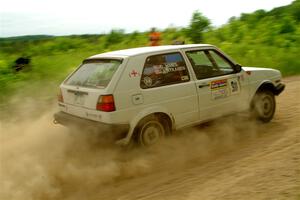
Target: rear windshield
94,73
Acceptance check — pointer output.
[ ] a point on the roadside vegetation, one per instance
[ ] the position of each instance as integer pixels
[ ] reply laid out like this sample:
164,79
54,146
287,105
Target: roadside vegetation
262,39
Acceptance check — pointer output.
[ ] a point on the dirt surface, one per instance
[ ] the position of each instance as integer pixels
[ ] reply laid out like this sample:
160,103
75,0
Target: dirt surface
231,158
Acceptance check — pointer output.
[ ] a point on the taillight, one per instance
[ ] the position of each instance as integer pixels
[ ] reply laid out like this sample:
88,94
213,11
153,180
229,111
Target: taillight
106,103
60,97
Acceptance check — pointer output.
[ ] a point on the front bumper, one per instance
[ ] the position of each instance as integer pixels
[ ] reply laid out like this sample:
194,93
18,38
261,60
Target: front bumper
279,88
118,130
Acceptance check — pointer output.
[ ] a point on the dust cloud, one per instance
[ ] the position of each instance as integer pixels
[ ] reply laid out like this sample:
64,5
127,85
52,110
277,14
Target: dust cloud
40,160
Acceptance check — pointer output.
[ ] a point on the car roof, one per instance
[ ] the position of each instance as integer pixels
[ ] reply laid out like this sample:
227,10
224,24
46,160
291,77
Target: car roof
144,50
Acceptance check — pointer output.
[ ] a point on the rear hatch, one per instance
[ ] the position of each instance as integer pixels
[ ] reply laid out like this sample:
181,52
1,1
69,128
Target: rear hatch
83,87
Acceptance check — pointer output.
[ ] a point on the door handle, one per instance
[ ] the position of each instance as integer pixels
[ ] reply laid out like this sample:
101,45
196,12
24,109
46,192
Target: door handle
203,85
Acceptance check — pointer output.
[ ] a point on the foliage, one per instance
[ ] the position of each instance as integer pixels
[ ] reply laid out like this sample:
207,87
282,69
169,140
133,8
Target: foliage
114,37
198,25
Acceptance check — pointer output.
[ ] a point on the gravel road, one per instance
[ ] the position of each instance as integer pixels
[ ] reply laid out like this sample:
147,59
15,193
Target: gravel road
231,158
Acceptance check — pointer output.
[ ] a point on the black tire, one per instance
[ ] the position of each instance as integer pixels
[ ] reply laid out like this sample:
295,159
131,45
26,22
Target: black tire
150,131
264,106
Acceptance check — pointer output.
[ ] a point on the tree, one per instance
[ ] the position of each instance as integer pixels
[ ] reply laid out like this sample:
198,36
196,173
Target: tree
198,25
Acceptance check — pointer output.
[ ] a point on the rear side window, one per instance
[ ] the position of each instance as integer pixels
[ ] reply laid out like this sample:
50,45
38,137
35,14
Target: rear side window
94,73
164,69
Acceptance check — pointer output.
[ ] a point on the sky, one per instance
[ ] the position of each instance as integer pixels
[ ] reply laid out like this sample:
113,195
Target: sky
66,17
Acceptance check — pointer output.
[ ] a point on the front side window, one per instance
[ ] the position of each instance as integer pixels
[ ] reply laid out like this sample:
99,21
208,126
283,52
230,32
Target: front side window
209,63
164,69
94,73
223,65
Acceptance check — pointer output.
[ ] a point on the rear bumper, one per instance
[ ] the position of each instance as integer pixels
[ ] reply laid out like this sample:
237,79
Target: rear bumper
118,130
279,88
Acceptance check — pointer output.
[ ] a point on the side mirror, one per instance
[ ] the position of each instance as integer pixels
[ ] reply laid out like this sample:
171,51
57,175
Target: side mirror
238,68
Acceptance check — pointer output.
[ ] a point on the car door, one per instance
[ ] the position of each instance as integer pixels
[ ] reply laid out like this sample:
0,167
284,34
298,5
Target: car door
219,86
166,83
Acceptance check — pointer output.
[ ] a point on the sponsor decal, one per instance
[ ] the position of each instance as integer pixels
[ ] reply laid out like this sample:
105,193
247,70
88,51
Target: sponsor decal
224,88
219,93
218,84
147,81
219,89
167,68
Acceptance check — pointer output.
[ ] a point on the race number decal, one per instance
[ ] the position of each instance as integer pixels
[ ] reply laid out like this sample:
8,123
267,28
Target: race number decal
234,86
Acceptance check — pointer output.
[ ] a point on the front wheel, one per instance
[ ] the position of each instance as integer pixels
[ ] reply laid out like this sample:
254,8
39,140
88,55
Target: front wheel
150,131
264,106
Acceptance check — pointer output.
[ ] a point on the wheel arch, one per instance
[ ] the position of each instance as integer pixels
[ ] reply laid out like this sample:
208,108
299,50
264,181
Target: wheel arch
166,119
157,111
263,86
161,116
266,85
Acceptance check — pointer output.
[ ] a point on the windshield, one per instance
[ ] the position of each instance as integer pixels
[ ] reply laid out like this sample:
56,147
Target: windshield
94,73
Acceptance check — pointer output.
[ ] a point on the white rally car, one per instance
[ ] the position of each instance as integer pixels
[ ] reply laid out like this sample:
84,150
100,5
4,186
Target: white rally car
143,94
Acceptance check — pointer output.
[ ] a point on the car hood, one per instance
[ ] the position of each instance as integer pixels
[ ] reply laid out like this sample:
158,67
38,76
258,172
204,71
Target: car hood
256,69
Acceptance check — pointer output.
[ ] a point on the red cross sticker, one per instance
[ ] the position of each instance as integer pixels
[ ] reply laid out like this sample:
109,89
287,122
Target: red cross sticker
134,73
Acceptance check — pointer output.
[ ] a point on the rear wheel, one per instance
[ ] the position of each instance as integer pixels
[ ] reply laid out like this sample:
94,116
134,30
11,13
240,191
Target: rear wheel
264,105
150,131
